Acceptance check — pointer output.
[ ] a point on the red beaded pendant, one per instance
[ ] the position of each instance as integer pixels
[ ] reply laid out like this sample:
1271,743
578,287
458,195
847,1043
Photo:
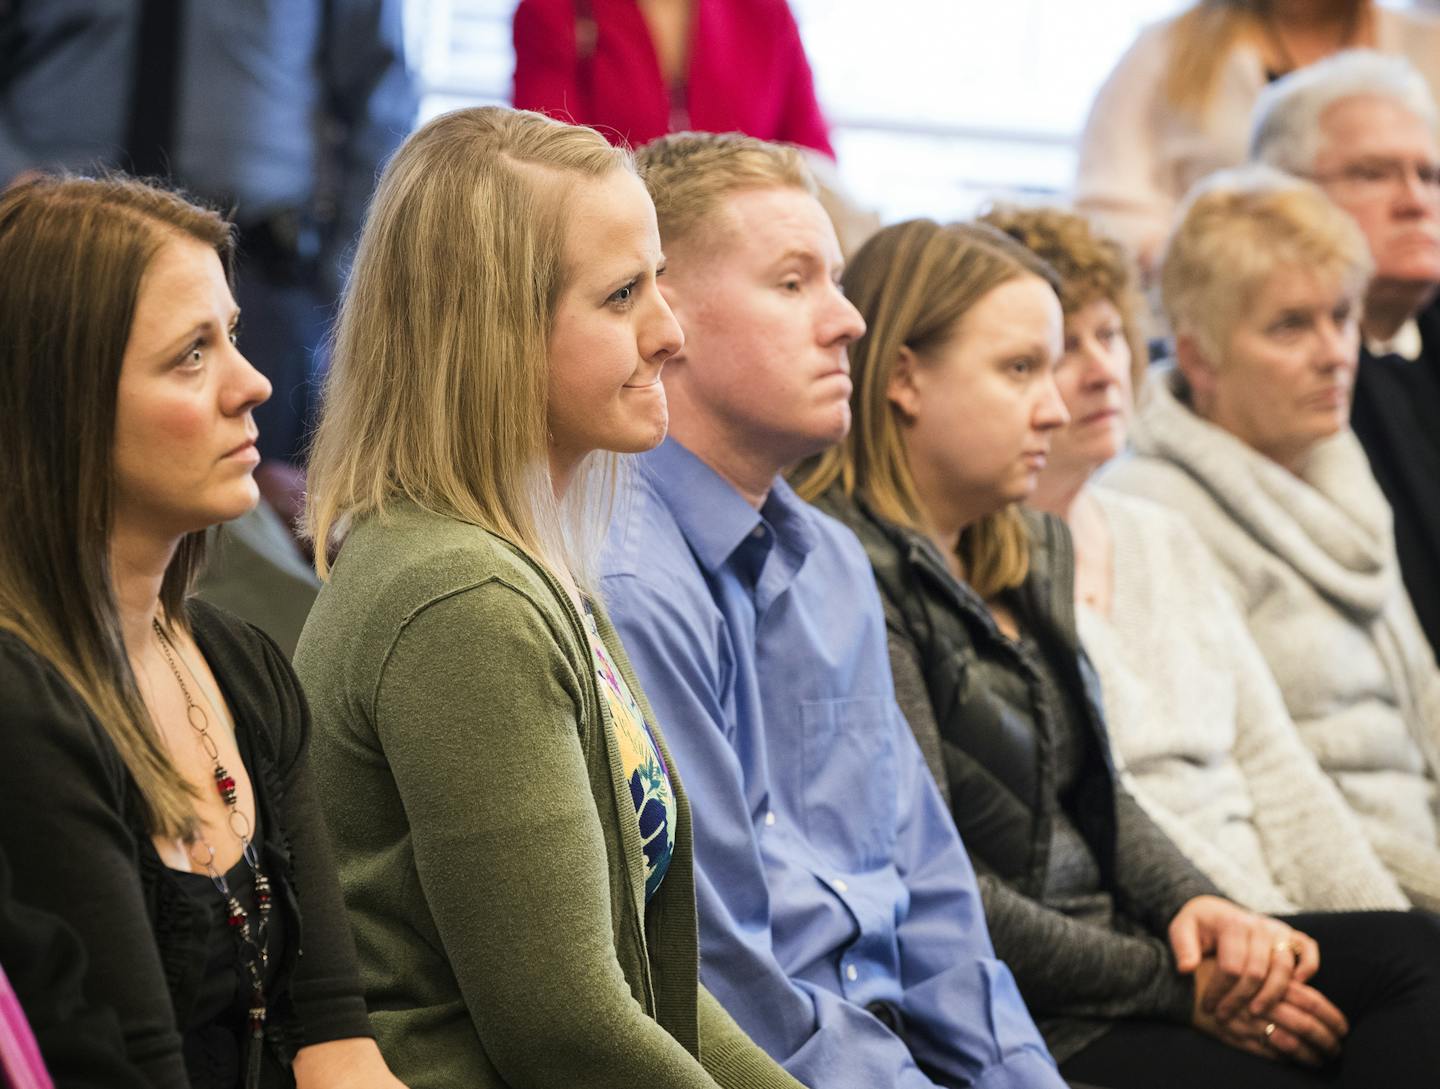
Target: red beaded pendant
225,783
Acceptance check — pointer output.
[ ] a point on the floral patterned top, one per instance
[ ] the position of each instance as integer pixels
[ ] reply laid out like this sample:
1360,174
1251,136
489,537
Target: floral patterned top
644,766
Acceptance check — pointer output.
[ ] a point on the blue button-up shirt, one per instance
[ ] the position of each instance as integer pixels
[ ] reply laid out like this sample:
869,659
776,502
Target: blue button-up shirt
828,873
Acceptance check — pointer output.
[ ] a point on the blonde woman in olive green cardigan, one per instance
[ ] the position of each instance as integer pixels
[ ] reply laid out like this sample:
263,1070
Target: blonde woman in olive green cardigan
513,839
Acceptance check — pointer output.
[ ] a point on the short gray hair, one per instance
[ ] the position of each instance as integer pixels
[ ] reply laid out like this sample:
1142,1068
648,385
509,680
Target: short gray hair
1285,125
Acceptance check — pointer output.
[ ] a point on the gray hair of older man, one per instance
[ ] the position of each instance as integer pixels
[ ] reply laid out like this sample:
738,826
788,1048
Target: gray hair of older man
1285,125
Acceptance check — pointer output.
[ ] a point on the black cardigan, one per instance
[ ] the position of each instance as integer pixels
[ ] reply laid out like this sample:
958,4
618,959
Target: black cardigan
70,824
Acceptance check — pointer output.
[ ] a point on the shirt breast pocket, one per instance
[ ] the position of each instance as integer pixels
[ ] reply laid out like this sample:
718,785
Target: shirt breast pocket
847,780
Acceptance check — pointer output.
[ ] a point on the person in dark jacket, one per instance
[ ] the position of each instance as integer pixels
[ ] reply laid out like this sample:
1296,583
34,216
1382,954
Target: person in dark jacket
154,790
1120,946
42,1002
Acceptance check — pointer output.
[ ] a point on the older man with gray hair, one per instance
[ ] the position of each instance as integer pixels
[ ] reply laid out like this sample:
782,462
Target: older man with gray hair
1363,125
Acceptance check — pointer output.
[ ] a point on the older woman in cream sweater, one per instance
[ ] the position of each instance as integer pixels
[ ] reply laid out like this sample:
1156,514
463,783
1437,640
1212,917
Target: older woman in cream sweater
1249,438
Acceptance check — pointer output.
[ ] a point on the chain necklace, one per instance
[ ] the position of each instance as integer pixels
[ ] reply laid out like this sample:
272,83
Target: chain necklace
250,939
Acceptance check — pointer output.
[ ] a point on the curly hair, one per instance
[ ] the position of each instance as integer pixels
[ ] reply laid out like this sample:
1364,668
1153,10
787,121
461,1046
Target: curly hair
1091,266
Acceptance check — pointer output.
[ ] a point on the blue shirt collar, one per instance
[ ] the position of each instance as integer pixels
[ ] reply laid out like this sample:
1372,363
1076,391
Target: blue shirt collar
713,516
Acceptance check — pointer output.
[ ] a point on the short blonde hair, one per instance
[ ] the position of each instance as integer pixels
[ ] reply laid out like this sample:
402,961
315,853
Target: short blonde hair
439,378
914,283
1091,266
689,175
1236,229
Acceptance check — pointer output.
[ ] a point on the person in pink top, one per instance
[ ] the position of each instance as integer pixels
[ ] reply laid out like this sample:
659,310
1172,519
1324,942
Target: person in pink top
637,69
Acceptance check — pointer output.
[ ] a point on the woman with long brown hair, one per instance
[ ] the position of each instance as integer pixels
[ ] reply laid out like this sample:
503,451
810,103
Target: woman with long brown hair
154,791
1177,105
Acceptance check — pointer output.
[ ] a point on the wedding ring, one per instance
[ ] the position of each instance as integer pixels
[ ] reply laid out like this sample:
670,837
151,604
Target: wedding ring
1287,946
1270,1030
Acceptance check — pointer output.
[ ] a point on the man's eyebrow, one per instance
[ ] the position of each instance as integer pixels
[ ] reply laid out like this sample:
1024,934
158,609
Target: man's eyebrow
796,253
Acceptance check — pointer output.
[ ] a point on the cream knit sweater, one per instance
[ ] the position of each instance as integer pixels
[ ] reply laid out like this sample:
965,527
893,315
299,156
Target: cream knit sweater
1310,559
1201,733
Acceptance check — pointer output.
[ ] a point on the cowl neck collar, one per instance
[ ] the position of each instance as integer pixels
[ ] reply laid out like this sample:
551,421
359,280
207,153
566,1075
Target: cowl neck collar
1330,522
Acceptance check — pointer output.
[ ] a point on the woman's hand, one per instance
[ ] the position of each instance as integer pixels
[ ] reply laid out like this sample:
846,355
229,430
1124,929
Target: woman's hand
1303,1026
352,1064
1250,990
1255,956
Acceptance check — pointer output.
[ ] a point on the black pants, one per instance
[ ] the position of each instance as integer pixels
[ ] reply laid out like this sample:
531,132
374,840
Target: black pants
1382,969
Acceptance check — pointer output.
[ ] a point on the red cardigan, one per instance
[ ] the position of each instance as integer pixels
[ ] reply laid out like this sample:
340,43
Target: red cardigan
748,71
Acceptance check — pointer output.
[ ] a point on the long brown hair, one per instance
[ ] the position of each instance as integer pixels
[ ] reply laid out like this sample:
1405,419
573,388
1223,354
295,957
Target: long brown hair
913,283
74,252
439,379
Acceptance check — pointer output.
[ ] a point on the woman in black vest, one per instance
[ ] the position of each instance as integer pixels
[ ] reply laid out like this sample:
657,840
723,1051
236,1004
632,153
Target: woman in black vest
1121,947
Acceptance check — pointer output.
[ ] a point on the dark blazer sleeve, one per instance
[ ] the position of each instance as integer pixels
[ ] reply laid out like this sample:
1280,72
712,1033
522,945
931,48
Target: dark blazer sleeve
45,964
325,987
63,829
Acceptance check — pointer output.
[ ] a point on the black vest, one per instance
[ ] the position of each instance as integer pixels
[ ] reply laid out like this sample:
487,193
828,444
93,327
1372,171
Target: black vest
995,723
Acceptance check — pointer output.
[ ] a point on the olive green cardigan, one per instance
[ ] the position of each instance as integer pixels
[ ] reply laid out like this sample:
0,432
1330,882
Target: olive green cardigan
486,838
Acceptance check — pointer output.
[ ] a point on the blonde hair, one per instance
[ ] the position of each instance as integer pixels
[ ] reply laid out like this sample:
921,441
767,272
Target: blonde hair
914,283
1090,264
75,252
1201,40
1235,230
689,175
439,377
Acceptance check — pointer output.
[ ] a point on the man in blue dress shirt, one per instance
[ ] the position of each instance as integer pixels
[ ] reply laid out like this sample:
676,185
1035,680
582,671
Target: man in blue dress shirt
840,920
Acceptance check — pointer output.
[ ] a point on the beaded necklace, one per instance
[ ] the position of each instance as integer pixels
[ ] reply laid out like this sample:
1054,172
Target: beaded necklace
252,947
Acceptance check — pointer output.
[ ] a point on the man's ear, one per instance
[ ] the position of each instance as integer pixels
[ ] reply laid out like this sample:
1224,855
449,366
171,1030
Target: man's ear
903,390
1197,368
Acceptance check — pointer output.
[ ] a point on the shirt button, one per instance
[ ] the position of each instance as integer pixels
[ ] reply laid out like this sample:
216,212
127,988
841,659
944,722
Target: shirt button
851,973
839,886
769,819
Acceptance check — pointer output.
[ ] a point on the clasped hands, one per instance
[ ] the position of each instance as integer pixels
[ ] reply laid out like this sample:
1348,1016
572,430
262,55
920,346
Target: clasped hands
1251,988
